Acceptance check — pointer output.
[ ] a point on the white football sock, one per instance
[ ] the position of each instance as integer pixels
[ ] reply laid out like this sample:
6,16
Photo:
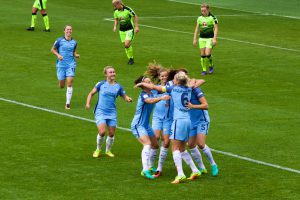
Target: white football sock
189,161
153,155
178,162
99,141
162,158
207,153
146,157
109,142
197,157
69,94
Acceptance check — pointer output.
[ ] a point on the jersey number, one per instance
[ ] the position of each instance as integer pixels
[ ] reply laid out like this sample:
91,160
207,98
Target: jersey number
184,98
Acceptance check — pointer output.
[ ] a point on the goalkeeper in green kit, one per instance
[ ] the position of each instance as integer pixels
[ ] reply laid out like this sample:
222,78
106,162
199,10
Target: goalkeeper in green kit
128,24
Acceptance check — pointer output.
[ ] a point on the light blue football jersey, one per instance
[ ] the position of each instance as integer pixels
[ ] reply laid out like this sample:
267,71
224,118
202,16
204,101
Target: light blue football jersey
66,49
180,96
162,109
143,111
197,116
107,94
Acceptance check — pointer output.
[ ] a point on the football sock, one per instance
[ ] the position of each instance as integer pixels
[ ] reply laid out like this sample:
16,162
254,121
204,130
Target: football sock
46,21
69,94
100,140
33,19
146,157
207,153
189,161
162,158
178,162
153,155
210,61
129,52
203,63
197,157
109,142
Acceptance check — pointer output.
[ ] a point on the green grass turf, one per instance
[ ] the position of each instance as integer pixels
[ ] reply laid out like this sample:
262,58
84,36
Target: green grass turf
253,98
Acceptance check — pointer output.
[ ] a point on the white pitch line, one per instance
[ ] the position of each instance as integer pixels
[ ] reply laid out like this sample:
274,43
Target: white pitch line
222,38
127,129
270,14
190,16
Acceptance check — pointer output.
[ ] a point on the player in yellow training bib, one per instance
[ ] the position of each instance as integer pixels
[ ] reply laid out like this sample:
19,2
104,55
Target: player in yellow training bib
39,5
128,25
207,25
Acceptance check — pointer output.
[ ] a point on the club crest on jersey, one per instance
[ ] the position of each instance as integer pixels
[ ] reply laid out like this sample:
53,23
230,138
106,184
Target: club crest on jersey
122,18
204,24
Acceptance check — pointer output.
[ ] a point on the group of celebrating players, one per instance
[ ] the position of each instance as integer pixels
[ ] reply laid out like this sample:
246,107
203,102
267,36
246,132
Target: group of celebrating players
180,109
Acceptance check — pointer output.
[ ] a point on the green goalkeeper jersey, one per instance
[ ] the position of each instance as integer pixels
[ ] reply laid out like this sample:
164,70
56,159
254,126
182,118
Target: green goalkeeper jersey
206,25
125,18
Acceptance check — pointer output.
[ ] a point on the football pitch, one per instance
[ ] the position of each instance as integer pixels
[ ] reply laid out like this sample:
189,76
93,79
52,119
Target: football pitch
253,96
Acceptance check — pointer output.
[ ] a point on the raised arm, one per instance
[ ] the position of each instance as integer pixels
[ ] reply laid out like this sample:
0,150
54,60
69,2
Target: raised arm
157,99
150,86
89,98
194,83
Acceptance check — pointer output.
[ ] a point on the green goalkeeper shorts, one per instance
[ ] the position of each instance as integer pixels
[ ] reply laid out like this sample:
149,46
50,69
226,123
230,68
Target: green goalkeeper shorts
126,35
40,4
205,43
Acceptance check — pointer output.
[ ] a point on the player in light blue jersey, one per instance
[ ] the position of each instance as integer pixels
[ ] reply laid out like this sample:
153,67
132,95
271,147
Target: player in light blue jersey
105,109
162,116
180,94
141,127
64,49
200,123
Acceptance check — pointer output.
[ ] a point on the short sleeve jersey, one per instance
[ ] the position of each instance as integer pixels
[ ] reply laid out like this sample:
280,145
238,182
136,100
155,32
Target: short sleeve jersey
107,94
66,48
206,25
181,95
125,18
197,115
143,111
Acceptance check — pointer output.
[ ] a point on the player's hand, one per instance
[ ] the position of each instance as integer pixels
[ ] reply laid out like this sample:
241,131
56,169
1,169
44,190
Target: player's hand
59,57
87,106
77,56
136,29
128,99
195,42
214,41
189,105
115,29
165,97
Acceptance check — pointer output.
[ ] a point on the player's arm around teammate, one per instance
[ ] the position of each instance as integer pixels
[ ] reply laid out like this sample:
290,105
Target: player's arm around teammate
200,124
105,110
141,127
64,49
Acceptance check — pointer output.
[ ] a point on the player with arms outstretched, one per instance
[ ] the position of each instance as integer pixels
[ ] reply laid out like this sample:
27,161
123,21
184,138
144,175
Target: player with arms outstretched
105,110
